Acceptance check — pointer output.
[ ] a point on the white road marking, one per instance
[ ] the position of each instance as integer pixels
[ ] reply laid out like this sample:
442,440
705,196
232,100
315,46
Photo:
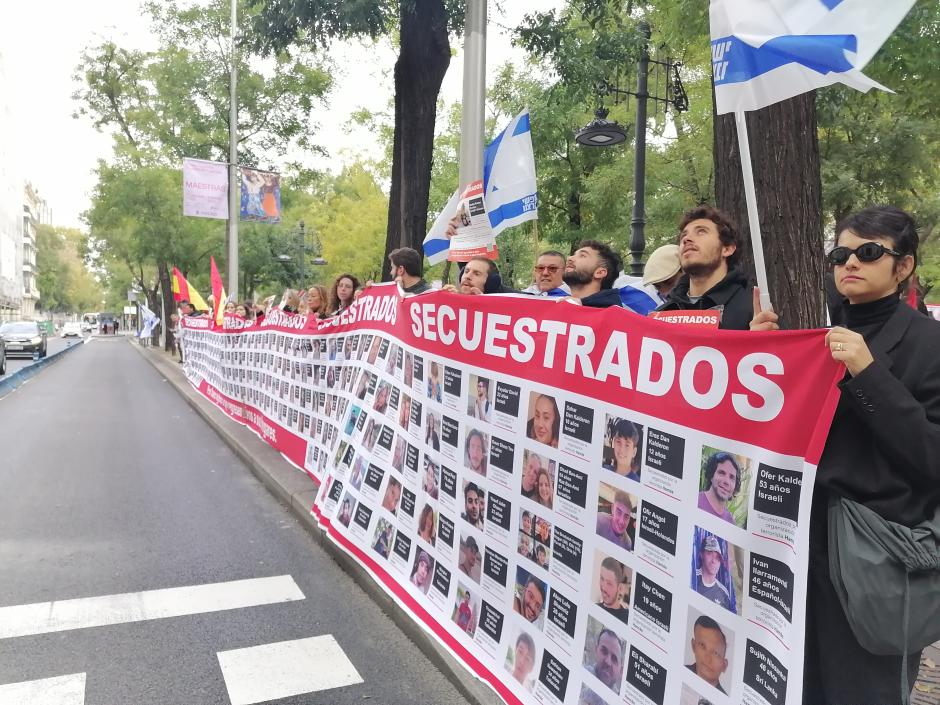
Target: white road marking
61,690
270,671
57,616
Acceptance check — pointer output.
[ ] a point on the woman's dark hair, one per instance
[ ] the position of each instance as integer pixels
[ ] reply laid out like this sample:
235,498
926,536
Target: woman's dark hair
884,221
716,459
335,303
727,230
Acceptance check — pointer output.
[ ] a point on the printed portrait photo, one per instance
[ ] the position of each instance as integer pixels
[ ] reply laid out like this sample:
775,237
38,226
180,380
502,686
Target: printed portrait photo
358,471
623,447
480,398
422,570
538,478
381,397
476,451
589,697
392,495
604,654
616,516
432,430
469,557
611,584
474,504
724,485
534,541
544,424
409,370
431,482
382,539
427,524
344,515
374,350
718,569
404,411
434,382
529,596
522,659
398,455
467,608
709,647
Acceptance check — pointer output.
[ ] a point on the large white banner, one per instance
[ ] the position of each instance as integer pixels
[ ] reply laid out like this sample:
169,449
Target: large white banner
205,189
585,506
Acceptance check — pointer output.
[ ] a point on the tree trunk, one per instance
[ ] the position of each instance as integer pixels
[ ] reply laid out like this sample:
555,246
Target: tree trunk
168,305
785,155
419,71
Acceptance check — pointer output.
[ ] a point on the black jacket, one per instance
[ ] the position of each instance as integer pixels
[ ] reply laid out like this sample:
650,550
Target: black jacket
884,446
732,295
605,298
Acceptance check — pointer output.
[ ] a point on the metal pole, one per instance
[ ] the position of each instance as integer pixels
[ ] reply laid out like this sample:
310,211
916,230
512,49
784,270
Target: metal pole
234,182
303,284
474,93
638,221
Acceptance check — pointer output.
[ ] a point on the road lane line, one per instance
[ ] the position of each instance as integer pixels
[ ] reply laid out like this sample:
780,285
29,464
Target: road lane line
62,615
260,673
60,690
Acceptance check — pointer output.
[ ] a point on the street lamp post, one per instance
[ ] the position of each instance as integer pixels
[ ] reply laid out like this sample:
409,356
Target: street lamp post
604,133
302,253
302,244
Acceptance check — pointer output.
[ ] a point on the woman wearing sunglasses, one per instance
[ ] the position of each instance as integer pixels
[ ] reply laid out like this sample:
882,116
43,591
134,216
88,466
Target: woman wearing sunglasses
883,448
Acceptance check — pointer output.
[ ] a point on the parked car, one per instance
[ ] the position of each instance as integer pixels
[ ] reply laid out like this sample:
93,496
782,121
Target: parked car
23,338
71,329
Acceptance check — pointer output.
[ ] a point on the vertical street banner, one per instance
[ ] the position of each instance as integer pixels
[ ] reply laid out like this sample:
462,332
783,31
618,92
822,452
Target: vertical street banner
205,189
584,506
260,195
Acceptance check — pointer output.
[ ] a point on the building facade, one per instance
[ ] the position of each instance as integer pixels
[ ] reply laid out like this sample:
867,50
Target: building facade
35,213
11,206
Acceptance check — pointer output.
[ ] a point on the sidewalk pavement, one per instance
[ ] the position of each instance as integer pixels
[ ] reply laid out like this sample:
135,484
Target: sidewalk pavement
297,491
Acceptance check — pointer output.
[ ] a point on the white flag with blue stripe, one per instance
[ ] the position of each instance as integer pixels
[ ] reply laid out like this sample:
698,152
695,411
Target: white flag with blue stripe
509,187
765,51
149,321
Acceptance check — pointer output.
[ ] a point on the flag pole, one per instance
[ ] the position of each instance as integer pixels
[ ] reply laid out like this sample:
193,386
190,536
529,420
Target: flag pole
474,93
234,183
750,195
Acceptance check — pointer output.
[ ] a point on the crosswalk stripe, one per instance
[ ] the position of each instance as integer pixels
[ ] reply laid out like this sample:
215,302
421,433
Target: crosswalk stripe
80,613
60,690
270,671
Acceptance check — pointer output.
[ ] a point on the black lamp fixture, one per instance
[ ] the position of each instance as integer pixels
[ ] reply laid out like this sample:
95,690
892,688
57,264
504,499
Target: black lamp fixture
601,132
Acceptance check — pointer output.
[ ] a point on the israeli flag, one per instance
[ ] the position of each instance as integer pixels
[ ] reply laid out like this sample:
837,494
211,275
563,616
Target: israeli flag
149,321
765,51
508,185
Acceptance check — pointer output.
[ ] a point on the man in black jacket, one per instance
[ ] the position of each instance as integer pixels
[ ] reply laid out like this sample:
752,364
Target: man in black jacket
590,272
709,250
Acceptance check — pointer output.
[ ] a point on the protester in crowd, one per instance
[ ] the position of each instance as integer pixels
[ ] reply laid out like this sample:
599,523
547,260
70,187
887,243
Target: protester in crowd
230,307
341,296
609,579
709,646
290,301
607,660
709,250
625,439
590,273
723,477
480,276
884,442
174,330
707,582
662,271
406,268
187,309
318,303
241,310
548,272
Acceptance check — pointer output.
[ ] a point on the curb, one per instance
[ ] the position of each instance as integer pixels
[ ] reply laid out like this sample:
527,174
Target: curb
15,380
297,491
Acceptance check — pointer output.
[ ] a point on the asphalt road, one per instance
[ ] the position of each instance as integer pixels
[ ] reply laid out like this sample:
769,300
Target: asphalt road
112,484
53,345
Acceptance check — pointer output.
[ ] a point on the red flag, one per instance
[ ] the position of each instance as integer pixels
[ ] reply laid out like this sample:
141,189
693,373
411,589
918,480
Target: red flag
218,291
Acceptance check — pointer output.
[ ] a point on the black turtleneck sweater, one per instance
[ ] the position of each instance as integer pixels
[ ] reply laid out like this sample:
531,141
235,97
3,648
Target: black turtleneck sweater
867,319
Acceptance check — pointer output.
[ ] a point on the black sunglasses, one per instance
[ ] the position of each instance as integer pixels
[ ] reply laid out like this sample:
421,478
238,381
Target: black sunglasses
869,252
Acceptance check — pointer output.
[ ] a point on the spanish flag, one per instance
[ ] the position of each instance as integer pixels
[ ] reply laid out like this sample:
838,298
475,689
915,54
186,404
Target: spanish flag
182,291
218,292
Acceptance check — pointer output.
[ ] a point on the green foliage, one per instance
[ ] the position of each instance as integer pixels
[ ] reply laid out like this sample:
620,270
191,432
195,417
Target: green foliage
65,284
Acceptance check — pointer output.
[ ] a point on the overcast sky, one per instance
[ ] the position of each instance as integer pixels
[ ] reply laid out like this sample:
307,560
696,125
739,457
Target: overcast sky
42,41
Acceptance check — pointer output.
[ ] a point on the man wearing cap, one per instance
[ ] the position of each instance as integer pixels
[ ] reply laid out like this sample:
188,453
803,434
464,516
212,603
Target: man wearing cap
470,558
662,271
706,577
